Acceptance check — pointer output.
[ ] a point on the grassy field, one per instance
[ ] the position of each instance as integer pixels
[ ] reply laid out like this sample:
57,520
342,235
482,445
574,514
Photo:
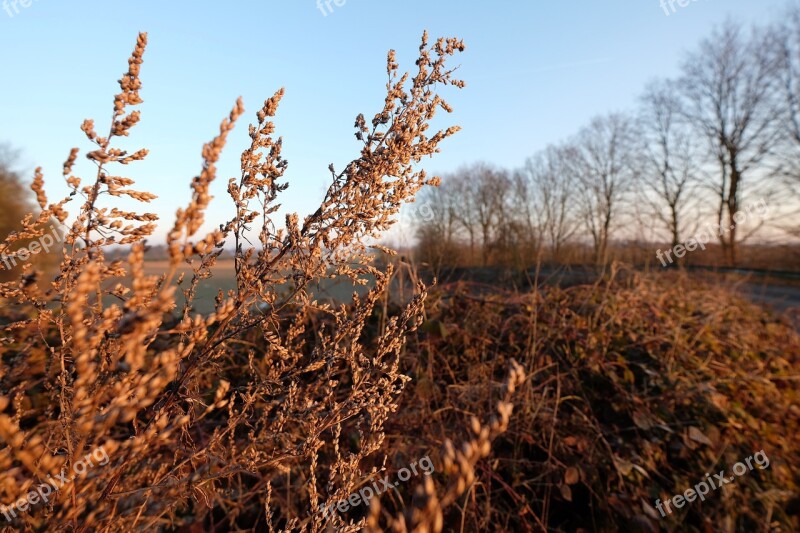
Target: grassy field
782,295
224,279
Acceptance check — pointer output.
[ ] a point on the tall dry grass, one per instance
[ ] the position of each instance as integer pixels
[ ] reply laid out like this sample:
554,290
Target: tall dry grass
638,387
256,415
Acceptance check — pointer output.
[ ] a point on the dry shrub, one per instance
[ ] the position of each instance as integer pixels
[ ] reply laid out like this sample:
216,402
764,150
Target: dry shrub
638,386
256,415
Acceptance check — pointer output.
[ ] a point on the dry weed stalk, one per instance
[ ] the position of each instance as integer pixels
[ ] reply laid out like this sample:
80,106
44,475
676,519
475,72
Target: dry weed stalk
242,416
425,515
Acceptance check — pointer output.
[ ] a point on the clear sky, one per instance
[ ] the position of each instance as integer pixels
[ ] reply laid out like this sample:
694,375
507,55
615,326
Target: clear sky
536,72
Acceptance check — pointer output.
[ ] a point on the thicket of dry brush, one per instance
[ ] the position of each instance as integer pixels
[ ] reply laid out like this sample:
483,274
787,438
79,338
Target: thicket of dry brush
638,387
246,417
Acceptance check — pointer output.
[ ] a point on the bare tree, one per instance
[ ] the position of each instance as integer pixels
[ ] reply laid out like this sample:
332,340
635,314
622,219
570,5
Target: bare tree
492,187
603,159
465,210
523,209
481,190
554,202
730,86
670,159
787,46
14,195
436,225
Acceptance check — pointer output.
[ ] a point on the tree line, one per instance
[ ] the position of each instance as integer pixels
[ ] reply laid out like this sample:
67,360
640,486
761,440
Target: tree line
698,148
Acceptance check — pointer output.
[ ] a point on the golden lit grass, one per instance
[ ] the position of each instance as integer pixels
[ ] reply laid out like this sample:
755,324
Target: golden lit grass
247,416
627,378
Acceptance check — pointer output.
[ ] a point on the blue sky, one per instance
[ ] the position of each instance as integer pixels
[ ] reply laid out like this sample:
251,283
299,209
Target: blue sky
536,72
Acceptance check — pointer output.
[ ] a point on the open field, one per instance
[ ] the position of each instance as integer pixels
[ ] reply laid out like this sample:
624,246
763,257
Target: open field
224,279
781,295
